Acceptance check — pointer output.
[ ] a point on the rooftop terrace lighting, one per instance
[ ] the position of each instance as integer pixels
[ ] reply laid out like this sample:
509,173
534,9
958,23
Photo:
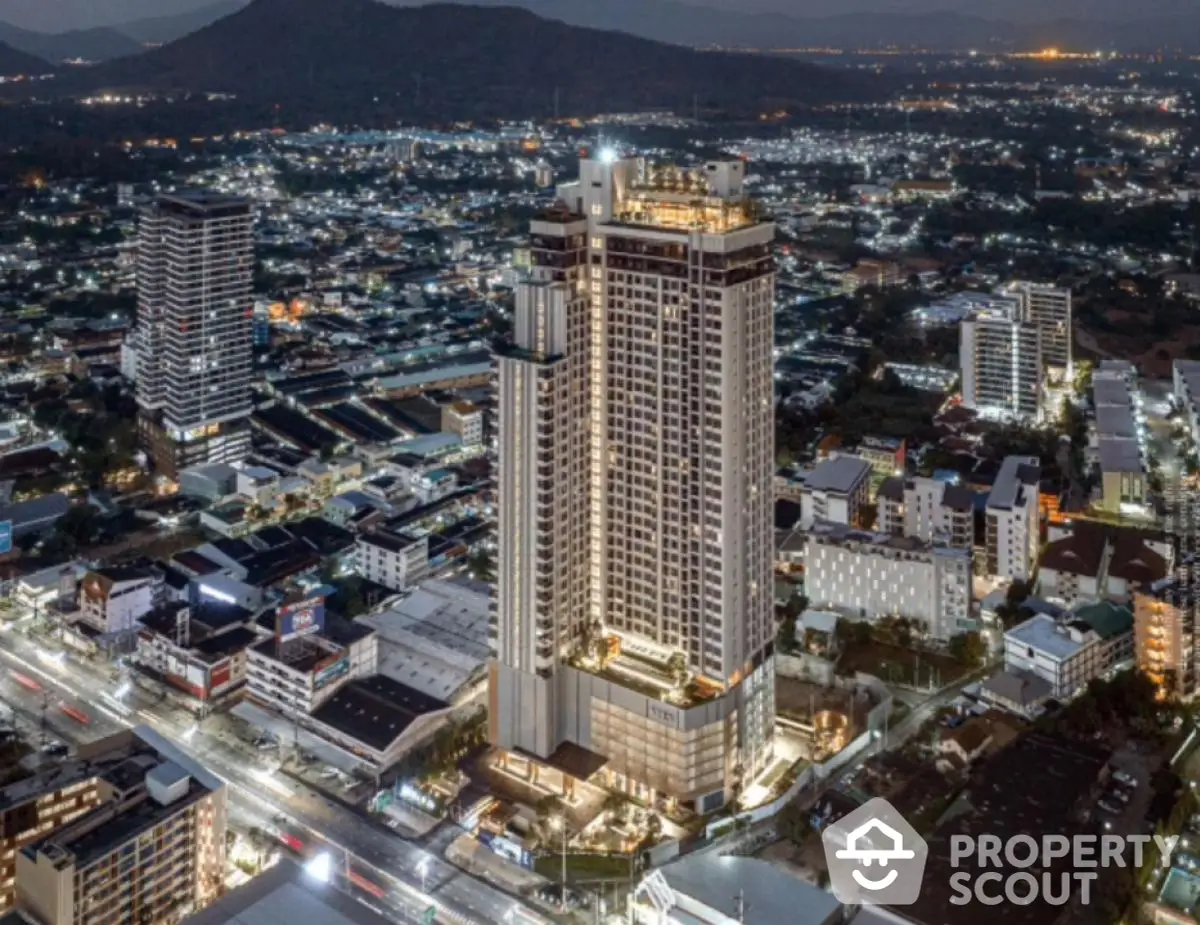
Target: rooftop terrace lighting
608,155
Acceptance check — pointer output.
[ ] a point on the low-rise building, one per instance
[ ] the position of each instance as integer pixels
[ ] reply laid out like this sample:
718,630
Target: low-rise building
928,509
299,666
466,420
885,454
1120,443
707,889
835,491
200,650
113,599
1093,562
1069,653
394,560
871,575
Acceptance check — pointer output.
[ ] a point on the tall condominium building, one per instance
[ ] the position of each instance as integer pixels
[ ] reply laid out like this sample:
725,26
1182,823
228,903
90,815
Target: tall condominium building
1013,519
1048,308
148,847
634,613
1001,360
195,329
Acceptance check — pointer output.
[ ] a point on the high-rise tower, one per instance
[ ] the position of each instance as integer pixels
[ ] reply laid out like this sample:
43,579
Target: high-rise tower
635,600
195,329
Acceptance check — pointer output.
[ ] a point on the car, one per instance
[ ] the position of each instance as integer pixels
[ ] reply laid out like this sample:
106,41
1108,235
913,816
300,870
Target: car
56,749
1107,807
1117,794
1123,777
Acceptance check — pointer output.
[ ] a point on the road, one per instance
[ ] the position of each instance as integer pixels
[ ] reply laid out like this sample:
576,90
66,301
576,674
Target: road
378,853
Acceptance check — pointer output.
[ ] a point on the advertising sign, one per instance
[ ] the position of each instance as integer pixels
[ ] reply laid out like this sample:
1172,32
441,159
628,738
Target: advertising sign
302,619
327,675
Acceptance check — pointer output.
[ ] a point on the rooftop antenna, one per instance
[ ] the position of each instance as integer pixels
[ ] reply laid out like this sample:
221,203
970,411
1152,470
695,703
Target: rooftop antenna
556,104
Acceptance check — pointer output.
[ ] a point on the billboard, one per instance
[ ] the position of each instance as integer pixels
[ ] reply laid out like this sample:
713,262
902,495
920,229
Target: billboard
302,619
325,676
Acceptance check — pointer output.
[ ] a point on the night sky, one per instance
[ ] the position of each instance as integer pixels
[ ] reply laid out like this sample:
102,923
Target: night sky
57,15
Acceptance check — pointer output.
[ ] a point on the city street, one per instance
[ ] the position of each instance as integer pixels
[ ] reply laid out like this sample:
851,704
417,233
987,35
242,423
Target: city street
416,879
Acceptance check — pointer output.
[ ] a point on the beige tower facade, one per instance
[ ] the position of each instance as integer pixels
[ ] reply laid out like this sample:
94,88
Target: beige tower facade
634,612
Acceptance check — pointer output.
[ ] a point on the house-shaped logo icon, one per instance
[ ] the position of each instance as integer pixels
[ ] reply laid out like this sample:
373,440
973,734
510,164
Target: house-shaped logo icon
874,836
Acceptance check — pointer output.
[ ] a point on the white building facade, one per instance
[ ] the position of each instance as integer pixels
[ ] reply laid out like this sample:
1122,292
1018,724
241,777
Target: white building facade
195,329
866,576
1013,519
635,476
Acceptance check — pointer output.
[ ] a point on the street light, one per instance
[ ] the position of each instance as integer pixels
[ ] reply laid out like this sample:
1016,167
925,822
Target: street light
423,870
320,867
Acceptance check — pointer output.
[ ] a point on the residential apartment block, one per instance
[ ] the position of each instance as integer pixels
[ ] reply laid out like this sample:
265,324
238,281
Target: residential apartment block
150,846
836,491
195,328
1069,653
1049,309
1165,636
870,575
1013,519
635,483
928,509
1000,356
394,560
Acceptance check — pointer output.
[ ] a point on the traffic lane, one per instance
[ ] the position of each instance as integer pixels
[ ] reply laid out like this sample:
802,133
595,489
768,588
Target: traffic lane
350,831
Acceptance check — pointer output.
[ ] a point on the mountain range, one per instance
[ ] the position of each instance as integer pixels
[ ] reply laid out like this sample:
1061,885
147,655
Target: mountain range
448,62
1160,24
100,43
13,62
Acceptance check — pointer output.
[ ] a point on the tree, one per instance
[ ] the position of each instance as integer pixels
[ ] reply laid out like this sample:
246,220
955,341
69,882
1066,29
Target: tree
968,648
482,564
678,667
785,637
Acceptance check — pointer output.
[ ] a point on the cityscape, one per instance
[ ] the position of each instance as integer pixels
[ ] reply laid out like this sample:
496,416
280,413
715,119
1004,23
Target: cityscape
558,466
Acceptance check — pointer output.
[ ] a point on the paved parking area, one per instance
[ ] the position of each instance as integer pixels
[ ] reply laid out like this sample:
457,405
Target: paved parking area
1130,802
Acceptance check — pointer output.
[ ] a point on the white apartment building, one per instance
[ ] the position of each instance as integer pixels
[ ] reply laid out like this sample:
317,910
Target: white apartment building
195,329
635,482
112,599
1013,519
1069,654
394,560
928,509
297,676
1000,356
1049,309
835,491
866,576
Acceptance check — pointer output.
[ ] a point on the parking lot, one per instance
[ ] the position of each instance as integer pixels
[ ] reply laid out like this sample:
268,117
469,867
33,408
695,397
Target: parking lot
1121,808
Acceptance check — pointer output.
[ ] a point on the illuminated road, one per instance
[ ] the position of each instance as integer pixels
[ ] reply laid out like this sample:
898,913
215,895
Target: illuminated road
375,853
